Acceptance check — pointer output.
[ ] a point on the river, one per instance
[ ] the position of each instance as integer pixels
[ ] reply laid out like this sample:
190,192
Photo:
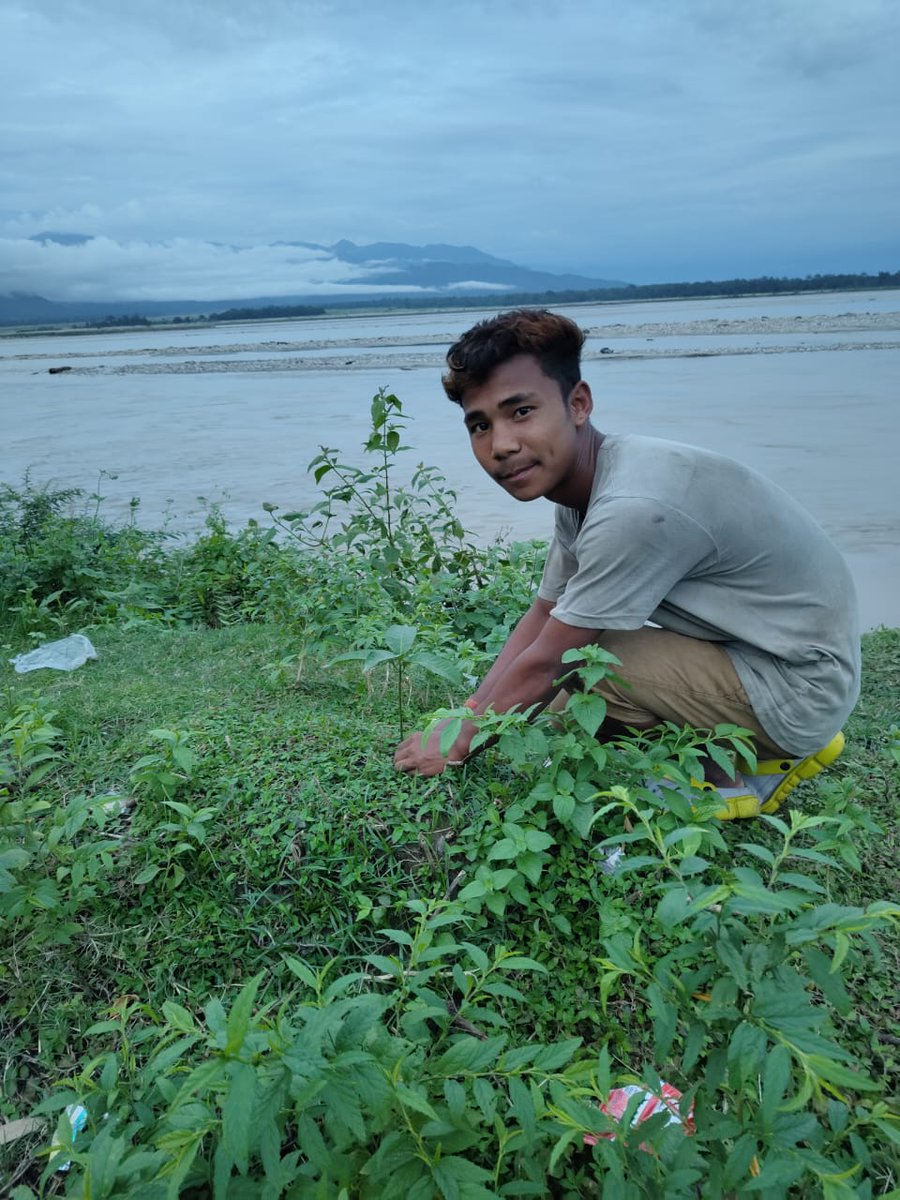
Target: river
804,388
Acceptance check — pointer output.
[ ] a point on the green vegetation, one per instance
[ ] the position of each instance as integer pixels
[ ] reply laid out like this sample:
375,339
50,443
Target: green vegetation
763,285
266,312
268,965
115,321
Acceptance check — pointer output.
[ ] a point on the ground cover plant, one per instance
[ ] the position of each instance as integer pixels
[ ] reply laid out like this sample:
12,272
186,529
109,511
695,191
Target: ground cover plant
265,964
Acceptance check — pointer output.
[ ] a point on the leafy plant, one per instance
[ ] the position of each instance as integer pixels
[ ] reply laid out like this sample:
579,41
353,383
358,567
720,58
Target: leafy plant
402,531
58,565
163,773
28,745
361,1085
398,649
47,870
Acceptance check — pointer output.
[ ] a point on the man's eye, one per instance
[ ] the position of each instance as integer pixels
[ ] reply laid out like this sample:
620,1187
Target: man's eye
478,427
523,410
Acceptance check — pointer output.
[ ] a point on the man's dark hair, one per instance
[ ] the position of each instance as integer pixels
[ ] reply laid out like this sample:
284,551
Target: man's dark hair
553,340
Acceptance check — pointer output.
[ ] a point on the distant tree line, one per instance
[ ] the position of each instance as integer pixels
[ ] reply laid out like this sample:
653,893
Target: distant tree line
114,321
265,313
765,285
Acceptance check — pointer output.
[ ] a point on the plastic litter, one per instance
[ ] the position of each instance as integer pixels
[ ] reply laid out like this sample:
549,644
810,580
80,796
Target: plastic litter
65,655
610,865
114,804
667,1098
77,1115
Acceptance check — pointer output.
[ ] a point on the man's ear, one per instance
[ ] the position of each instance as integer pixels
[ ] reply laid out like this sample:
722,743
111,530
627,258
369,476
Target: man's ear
581,402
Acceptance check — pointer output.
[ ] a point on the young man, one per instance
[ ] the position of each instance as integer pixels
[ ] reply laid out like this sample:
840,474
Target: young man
752,609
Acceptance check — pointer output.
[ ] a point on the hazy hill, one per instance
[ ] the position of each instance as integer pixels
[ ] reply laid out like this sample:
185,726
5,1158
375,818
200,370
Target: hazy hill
382,270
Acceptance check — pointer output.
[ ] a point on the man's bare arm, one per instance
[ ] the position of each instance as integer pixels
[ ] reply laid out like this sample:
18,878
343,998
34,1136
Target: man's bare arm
525,634
528,678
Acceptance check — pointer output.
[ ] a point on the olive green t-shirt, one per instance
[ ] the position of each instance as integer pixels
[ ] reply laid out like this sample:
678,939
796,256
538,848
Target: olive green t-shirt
699,544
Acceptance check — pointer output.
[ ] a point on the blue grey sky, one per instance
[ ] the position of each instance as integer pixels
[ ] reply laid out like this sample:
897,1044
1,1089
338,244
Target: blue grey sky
640,140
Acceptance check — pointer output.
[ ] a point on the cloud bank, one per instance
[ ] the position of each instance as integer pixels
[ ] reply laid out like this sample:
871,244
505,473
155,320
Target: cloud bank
102,269
646,141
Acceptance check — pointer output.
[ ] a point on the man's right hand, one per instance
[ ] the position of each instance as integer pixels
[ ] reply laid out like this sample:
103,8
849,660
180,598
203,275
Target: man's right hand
415,758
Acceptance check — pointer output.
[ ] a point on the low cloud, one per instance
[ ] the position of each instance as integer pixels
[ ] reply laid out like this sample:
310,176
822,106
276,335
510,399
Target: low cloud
182,269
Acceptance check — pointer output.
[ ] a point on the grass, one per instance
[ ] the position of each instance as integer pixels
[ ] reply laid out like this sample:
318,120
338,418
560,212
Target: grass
315,840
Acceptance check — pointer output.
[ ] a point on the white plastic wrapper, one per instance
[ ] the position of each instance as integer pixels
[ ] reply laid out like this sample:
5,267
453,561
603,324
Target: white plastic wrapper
65,655
77,1117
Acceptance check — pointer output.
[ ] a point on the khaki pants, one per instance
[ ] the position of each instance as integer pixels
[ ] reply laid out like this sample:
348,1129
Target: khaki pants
669,677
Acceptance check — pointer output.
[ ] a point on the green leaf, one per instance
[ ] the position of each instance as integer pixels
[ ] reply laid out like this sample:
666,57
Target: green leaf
562,1144
720,757
839,1075
603,1070
503,850
179,1018
518,962
535,840
588,709
556,1055
890,1127
237,1112
776,1077
693,1044
485,1098
673,907
827,980
357,656
238,1023
375,658
469,1054
436,664
202,1078
299,968
531,865
522,1107
478,956
387,966
453,1173
400,638
761,852
415,1099
746,1052
14,857
397,935
665,1020
563,807
755,899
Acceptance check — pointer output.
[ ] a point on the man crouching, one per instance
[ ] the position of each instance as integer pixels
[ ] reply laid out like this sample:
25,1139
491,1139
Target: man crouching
753,609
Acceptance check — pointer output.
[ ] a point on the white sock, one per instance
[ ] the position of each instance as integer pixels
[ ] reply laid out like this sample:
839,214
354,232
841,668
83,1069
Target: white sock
765,785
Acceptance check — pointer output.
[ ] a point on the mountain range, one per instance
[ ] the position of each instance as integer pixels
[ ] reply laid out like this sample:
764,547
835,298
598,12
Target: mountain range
350,273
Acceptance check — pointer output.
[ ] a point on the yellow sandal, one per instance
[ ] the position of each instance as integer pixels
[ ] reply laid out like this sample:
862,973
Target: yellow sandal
775,778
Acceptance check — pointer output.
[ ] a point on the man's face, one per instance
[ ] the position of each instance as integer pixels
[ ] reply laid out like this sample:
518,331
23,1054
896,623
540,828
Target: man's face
522,431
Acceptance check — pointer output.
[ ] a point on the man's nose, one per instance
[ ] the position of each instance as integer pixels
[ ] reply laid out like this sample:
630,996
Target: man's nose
505,439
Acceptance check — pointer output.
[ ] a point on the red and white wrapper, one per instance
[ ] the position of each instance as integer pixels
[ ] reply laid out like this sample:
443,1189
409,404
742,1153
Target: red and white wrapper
666,1099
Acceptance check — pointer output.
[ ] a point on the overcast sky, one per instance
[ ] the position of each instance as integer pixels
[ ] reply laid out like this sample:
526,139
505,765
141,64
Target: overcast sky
641,140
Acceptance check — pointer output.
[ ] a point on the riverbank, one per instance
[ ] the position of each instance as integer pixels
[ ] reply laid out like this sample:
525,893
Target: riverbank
219,898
